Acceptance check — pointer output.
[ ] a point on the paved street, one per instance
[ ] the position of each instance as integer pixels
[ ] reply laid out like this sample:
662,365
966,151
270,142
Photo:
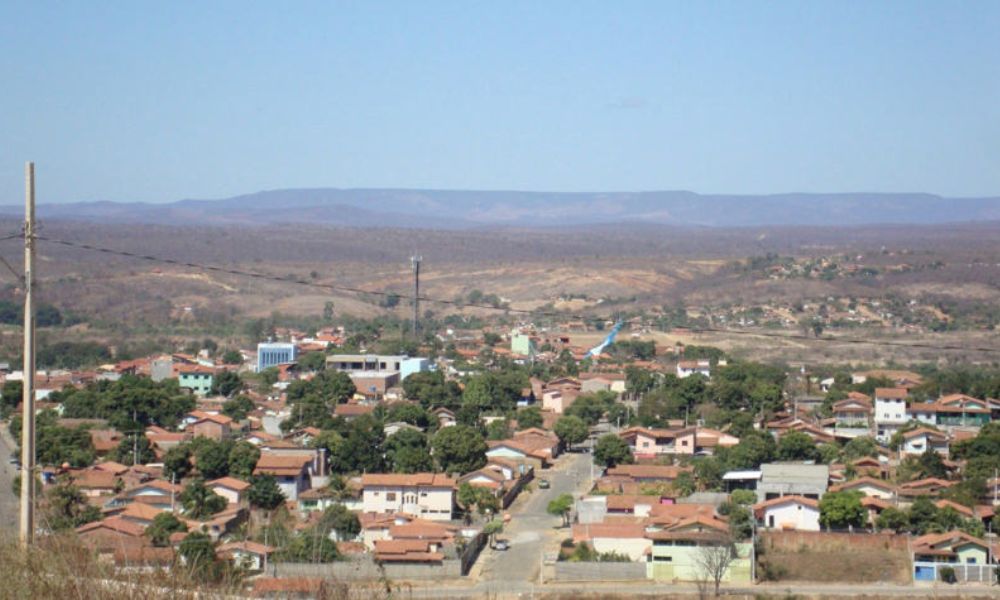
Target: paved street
532,530
8,502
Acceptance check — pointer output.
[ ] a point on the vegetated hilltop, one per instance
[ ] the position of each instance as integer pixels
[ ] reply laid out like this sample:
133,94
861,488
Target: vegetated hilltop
455,209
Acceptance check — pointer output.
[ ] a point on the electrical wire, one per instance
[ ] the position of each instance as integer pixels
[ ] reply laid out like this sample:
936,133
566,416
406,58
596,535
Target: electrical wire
507,310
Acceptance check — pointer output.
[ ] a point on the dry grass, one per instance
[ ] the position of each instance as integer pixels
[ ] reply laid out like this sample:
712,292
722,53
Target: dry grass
58,567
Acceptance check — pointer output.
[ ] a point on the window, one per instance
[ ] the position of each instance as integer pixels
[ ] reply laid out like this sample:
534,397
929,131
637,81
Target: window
663,559
390,496
423,494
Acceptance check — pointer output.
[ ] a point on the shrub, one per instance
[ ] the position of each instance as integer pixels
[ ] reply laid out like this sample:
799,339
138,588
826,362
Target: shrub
947,575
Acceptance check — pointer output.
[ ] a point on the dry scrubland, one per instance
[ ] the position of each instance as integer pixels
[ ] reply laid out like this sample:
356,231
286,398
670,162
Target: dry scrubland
630,268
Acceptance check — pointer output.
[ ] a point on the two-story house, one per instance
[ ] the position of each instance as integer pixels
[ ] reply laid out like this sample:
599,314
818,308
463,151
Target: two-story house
426,495
890,412
291,471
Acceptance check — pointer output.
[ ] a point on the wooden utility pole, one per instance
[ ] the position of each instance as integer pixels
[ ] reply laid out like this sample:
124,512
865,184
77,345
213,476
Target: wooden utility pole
28,399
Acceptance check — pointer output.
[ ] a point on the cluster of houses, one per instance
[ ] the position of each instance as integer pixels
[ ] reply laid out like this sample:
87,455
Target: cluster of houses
631,512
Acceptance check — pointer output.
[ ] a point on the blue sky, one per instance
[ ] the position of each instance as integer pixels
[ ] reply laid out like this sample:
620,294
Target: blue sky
143,101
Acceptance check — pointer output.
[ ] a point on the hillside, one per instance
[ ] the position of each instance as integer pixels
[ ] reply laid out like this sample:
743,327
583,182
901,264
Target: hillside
457,209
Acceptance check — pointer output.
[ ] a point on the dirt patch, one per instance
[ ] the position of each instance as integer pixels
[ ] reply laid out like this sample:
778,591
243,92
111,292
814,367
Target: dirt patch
829,558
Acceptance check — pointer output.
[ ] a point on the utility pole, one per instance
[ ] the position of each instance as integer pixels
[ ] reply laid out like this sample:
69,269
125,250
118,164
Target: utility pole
415,261
28,398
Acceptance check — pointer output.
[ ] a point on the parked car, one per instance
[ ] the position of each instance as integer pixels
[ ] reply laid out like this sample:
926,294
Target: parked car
501,545
543,484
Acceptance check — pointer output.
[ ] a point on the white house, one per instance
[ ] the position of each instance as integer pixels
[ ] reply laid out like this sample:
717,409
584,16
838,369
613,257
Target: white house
890,412
789,513
426,495
230,488
248,555
687,368
918,441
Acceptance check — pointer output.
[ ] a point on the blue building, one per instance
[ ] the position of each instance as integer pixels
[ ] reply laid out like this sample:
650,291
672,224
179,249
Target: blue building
272,354
409,366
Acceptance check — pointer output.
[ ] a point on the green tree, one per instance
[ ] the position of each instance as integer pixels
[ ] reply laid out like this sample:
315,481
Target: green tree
860,447
163,525
238,408
414,414
892,519
232,357
842,509
611,450
243,459
754,449
362,448
561,507
407,452
338,518
529,417
226,383
498,430
684,484
10,397
312,361
459,449
591,407
932,465
708,472
431,390
134,449
796,446
177,462
67,507
199,502
922,515
828,453
312,545
264,492
743,497
571,430
212,458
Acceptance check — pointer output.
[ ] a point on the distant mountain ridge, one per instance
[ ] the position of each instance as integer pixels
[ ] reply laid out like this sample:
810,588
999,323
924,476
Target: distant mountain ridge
454,209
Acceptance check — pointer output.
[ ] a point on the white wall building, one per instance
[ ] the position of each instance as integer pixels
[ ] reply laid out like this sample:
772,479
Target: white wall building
426,495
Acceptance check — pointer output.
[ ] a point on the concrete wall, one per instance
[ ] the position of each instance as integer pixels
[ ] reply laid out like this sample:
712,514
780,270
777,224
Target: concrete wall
598,571
366,569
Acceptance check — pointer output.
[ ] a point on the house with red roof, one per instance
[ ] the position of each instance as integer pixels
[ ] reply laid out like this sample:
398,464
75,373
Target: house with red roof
796,513
425,495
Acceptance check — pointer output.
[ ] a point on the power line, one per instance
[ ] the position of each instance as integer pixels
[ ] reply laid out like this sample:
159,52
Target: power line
508,310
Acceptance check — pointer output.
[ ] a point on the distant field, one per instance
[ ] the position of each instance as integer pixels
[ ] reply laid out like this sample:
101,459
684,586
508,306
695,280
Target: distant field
599,271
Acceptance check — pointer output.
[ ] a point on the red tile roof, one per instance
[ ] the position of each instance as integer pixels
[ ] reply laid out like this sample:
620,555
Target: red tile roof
403,480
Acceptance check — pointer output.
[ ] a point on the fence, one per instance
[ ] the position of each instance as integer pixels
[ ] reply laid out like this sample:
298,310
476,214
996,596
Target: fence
964,573
512,493
599,571
468,556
